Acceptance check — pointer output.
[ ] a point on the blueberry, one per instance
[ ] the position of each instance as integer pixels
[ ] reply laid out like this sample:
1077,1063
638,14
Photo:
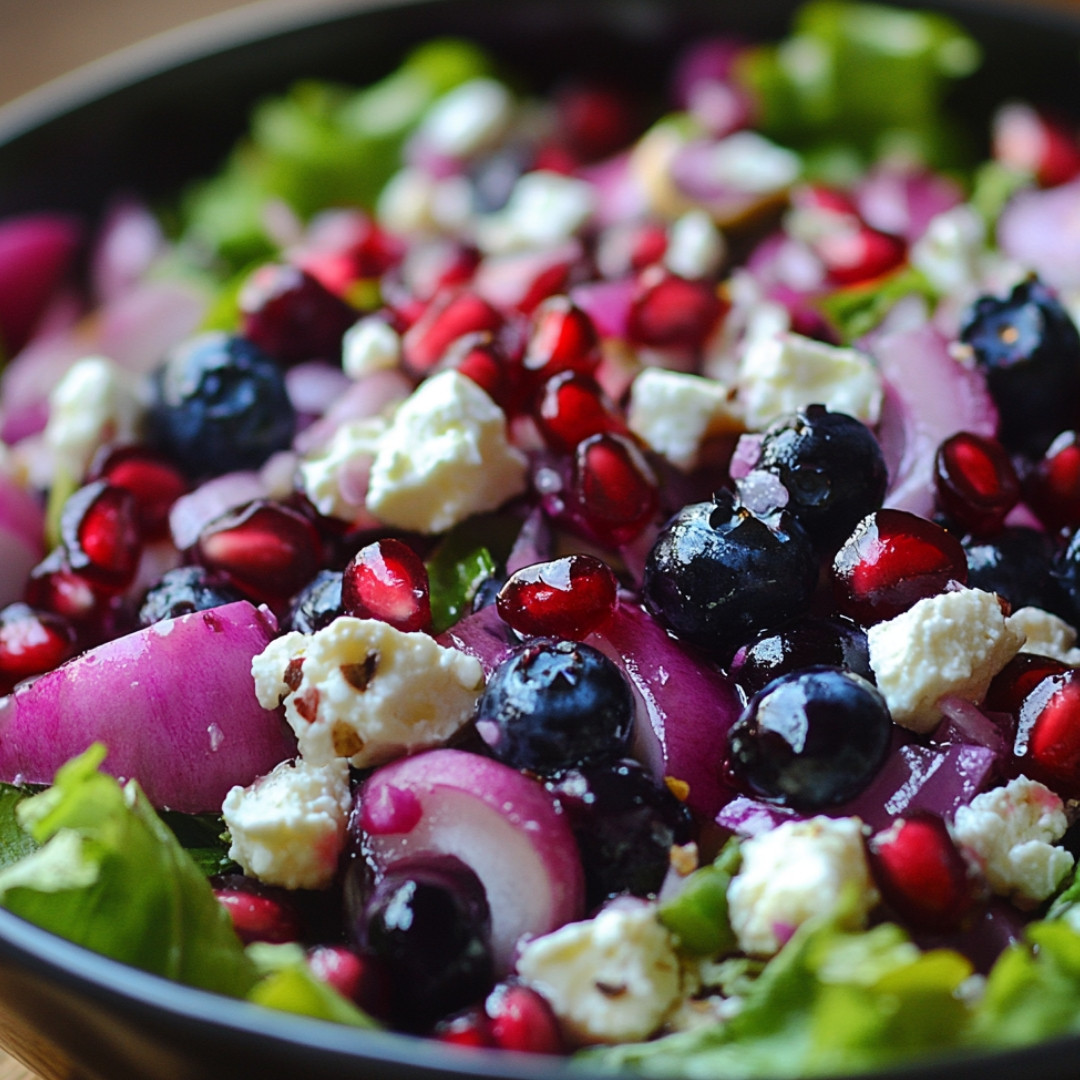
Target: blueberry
810,739
1029,350
1016,564
317,604
182,591
428,920
556,705
832,467
719,574
220,404
803,643
625,824
1065,579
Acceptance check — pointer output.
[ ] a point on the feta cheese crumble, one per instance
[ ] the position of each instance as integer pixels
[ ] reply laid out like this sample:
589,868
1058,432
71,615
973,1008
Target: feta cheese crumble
359,689
445,457
799,871
370,345
1013,831
952,644
288,827
609,979
335,477
1045,634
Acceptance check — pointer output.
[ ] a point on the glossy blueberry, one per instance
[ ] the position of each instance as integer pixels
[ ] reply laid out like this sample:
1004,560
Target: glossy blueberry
803,643
625,824
1029,350
810,739
317,604
832,467
220,404
1017,564
182,591
556,705
1065,578
718,574
428,920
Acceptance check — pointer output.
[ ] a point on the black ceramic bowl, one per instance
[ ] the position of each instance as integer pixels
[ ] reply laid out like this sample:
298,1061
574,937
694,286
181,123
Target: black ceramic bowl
155,116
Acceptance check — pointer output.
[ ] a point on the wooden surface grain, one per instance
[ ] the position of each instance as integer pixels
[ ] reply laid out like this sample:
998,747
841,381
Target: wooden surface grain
10,1069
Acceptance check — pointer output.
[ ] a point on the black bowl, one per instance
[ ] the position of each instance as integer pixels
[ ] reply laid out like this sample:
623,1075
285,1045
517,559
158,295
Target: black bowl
155,116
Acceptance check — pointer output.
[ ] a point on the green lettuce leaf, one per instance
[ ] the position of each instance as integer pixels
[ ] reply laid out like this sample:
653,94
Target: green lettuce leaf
109,875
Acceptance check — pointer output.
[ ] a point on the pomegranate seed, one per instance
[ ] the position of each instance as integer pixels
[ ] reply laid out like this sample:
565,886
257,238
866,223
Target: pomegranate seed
923,875
566,598
1047,744
31,643
343,247
291,316
563,338
486,362
521,1019
826,201
1052,488
976,482
469,1028
258,915
55,587
594,120
629,248
359,977
1032,142
891,561
572,408
435,266
265,549
614,492
670,312
451,315
99,532
522,280
858,255
154,481
1012,685
387,580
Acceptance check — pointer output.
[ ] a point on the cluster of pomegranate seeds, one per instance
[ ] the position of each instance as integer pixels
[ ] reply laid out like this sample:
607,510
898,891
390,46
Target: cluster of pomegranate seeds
267,550
387,580
345,247
892,560
514,1017
151,478
1052,486
451,315
1047,744
31,643
922,875
976,482
292,316
565,598
100,534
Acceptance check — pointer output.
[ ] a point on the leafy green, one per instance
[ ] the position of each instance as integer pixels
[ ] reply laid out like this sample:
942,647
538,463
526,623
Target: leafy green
110,876
856,310
698,914
15,841
204,838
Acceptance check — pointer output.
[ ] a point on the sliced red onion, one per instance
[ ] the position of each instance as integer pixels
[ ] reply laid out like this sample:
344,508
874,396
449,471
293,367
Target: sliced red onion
502,824
708,61
482,634
192,512
903,200
314,386
607,303
129,242
174,703
751,817
747,455
620,196
22,528
685,706
968,724
1040,229
533,543
369,396
517,280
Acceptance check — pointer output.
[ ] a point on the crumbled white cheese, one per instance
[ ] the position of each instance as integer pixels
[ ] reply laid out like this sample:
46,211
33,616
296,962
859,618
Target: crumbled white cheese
952,252
94,403
288,827
1013,832
544,209
359,689
334,477
951,644
1045,634
405,202
674,413
467,119
610,979
445,457
696,247
799,871
370,345
786,372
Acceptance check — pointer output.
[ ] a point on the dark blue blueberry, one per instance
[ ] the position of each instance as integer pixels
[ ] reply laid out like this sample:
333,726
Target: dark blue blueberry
811,739
220,404
832,467
182,591
556,705
1029,350
806,642
718,574
1016,564
428,920
1065,579
625,824
317,604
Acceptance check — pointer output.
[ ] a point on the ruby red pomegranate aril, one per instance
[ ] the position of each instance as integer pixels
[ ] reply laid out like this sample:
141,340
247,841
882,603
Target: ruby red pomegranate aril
859,255
100,534
150,477
567,598
521,1019
1029,141
485,361
258,916
572,408
451,315
387,580
358,977
1011,686
922,875
613,490
1052,487
976,482
670,312
594,120
31,643
891,561
267,550
563,338
1047,743
55,587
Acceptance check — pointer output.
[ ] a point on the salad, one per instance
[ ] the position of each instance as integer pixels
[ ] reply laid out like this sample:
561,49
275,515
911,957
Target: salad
577,574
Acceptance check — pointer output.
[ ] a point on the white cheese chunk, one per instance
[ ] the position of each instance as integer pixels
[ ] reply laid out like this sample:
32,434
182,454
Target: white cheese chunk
1045,634
370,345
288,828
951,644
335,476
467,119
544,209
445,457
